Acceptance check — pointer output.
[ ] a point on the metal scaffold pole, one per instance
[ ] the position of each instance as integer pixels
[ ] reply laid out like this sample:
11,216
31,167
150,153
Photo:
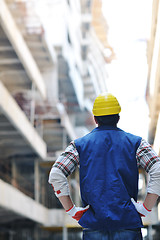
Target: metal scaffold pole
150,237
65,233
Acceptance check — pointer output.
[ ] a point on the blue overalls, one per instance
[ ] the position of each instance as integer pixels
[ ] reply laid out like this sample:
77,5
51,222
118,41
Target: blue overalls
109,179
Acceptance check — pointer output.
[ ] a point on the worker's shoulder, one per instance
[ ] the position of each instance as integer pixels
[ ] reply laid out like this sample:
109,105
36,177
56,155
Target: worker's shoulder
131,135
84,138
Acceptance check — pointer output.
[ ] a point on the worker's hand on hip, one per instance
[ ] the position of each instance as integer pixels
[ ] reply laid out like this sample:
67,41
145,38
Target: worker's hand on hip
77,212
141,208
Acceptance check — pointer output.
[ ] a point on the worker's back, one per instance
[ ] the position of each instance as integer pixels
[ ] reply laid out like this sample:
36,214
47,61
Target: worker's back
109,178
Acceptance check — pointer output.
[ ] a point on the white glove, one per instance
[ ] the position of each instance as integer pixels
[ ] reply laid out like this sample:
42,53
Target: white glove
141,208
77,212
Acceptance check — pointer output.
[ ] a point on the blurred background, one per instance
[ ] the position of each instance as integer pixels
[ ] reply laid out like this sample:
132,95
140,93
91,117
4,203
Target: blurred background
56,56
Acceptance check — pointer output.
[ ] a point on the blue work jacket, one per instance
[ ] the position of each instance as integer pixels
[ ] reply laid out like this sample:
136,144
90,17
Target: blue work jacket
109,179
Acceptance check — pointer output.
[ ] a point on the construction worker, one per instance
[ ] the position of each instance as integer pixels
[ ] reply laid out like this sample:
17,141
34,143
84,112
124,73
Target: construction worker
108,160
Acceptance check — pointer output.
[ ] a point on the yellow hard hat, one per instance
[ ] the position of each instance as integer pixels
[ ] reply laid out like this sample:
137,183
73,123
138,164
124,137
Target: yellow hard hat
106,104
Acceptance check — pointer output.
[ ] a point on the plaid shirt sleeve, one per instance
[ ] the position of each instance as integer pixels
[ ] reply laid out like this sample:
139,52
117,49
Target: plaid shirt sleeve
68,161
146,156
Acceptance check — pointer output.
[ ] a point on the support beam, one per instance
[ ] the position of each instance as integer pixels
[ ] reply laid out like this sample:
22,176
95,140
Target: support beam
66,121
21,48
156,144
154,83
65,233
26,207
23,205
16,116
36,181
9,61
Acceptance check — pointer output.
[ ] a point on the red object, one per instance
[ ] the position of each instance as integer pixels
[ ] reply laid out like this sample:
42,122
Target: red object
146,208
69,209
79,214
59,191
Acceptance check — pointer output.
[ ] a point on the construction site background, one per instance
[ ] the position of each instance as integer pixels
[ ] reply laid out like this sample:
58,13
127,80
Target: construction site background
48,82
